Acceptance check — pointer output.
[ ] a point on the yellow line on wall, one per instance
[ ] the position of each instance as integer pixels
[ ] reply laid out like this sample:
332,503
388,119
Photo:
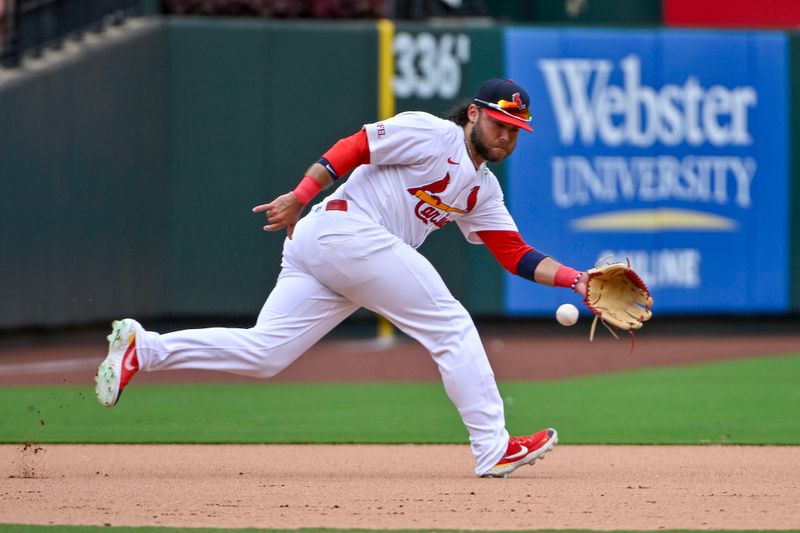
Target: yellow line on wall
386,109
386,105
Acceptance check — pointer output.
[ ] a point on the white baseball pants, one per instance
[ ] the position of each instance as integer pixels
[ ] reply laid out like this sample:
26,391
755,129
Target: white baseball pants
335,263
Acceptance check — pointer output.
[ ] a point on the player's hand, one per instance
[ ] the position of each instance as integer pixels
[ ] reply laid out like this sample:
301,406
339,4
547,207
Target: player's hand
583,281
282,212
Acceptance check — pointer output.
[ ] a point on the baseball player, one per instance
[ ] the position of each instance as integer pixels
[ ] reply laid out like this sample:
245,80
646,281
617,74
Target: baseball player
411,174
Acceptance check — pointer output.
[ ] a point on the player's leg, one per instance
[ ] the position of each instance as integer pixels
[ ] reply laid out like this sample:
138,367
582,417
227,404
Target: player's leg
389,277
422,307
416,299
299,311
297,314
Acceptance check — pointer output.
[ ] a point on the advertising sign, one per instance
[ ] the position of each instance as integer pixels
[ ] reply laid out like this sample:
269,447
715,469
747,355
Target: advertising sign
665,148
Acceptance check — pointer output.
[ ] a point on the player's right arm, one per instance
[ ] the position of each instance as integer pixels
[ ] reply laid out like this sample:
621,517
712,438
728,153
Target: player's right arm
284,211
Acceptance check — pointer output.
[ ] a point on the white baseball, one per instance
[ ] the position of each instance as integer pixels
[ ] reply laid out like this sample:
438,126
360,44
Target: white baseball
567,314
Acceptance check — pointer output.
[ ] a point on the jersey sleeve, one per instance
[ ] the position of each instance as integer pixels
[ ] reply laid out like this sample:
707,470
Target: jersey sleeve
346,154
405,139
507,247
490,214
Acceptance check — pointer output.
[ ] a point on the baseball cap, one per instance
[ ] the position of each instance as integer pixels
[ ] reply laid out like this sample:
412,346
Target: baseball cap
505,101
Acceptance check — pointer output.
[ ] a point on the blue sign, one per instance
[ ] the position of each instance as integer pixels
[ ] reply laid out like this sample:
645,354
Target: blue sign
665,148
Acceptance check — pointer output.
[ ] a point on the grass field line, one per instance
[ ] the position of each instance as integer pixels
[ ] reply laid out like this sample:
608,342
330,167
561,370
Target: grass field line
49,367
55,366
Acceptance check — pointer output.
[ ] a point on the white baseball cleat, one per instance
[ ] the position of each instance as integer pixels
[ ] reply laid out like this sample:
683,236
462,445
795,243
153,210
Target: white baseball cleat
120,364
524,451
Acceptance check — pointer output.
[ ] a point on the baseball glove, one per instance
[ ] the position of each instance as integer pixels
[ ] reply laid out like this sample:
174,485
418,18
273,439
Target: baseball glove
618,297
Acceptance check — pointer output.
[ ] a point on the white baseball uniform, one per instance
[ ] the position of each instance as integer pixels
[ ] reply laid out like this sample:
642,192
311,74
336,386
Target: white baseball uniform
420,177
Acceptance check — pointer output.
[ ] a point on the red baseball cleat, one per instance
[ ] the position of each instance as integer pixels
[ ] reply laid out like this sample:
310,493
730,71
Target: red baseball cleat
121,363
524,451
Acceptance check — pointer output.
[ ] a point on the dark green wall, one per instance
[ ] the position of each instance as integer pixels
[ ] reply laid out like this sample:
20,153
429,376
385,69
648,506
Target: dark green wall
128,172
253,103
84,184
794,169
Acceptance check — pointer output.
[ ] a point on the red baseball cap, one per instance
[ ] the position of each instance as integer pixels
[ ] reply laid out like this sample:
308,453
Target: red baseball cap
505,101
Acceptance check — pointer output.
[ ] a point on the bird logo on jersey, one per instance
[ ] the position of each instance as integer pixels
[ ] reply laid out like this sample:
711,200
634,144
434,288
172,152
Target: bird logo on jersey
431,209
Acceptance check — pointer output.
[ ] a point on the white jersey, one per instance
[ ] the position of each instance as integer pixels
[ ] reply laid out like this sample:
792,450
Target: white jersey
420,178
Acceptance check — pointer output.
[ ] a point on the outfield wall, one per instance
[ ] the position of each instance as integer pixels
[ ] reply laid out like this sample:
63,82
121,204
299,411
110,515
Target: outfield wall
252,104
128,172
85,185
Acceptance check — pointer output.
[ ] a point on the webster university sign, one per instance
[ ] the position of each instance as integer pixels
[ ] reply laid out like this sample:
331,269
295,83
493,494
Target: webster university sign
668,148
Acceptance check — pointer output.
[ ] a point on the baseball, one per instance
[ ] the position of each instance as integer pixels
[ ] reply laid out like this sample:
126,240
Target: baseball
567,314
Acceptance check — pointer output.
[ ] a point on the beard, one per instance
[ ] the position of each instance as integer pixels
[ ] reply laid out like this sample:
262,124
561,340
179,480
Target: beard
479,143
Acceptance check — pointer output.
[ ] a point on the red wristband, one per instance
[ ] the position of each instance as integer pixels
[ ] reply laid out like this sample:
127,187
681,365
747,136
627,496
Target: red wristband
307,189
566,277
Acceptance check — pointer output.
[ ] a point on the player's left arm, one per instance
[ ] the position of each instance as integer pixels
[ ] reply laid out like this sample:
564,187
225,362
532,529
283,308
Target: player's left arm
284,211
525,261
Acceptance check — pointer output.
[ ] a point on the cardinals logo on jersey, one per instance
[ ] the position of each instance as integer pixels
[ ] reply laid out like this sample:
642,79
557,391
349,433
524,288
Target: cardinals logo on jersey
431,209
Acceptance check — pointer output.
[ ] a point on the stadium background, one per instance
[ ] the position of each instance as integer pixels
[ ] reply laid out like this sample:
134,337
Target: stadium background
135,137
131,155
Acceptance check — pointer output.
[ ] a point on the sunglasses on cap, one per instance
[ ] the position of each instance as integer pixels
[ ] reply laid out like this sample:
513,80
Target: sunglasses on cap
516,110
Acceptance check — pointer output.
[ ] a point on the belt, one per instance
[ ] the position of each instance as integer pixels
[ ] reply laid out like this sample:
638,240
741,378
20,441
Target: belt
336,205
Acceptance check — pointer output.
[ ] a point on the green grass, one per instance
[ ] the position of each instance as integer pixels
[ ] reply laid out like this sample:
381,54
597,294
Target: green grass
740,402
750,401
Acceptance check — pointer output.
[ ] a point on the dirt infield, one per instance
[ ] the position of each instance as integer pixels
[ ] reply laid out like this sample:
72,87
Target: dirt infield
418,487
415,487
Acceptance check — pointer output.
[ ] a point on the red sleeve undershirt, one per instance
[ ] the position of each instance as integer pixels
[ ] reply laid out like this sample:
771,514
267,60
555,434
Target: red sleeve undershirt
506,246
348,153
